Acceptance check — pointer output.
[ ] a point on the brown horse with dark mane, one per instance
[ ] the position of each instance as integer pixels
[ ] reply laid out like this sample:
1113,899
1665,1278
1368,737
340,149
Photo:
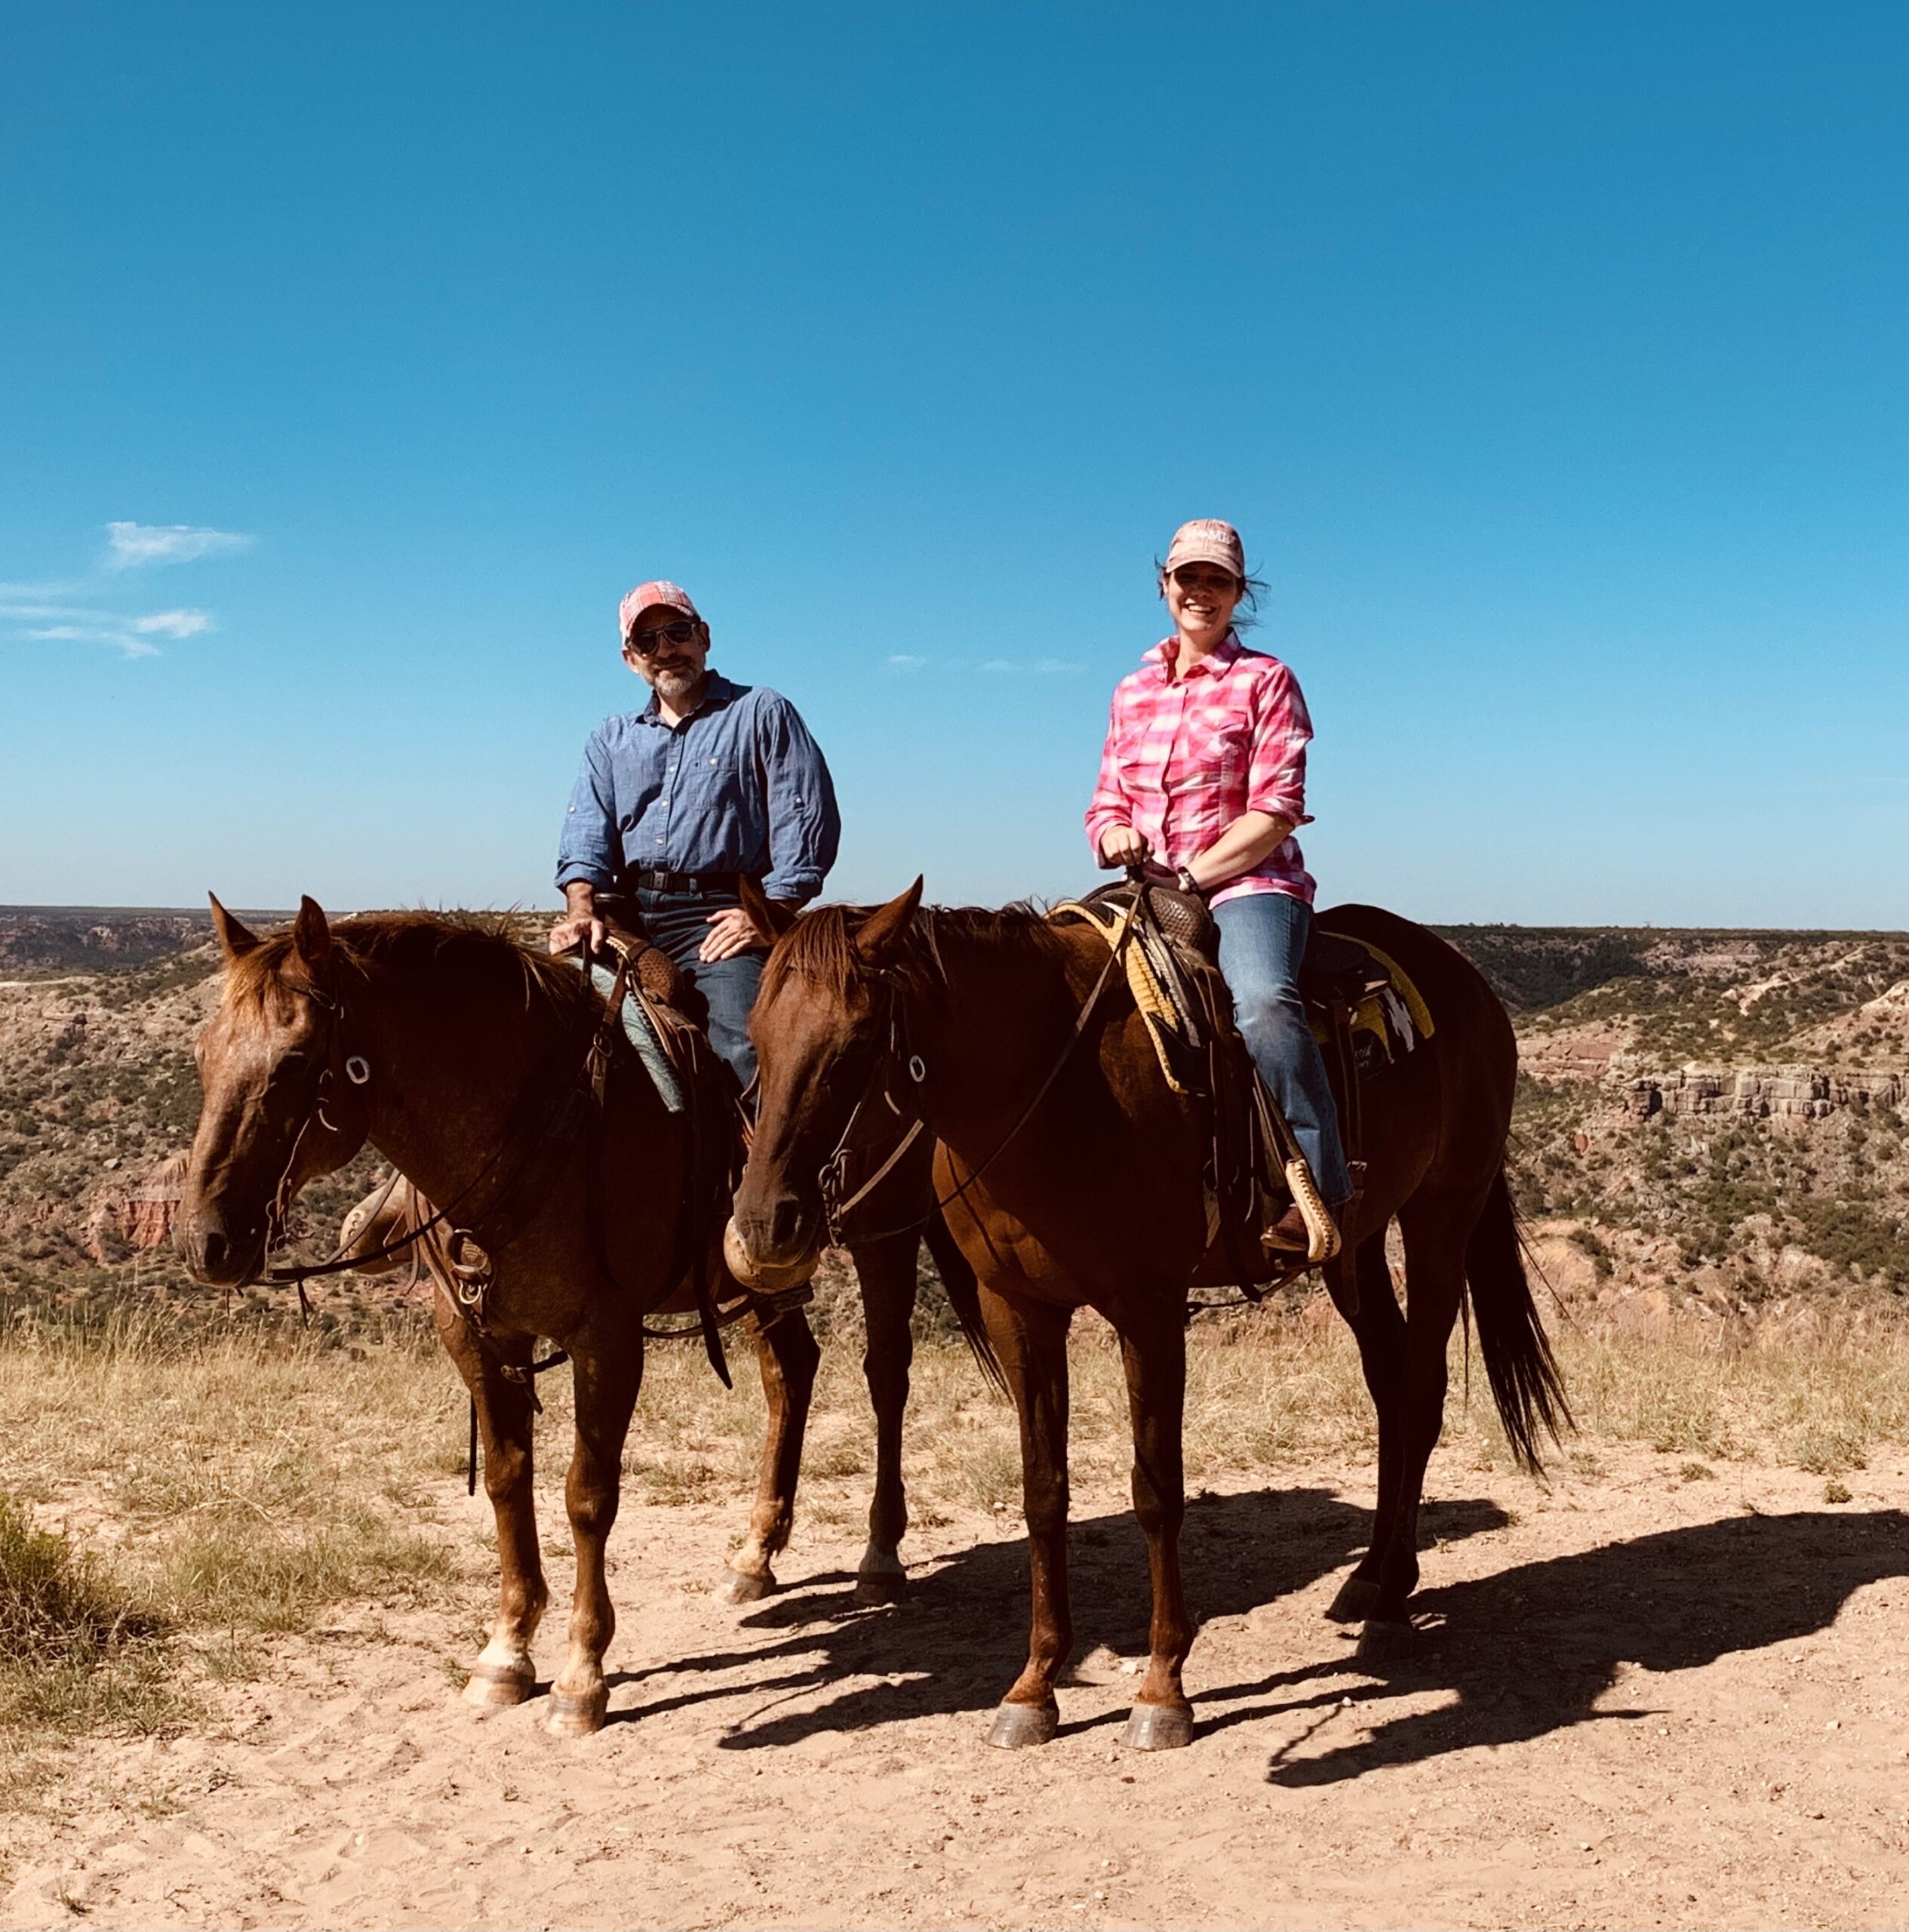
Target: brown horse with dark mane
460,1056
1086,1191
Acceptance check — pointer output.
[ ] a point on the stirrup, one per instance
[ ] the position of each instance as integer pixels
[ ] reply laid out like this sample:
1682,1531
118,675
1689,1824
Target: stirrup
1320,1224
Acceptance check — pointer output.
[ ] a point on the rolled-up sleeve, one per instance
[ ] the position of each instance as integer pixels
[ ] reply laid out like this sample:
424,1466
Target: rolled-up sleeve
805,826
588,847
1110,805
1276,778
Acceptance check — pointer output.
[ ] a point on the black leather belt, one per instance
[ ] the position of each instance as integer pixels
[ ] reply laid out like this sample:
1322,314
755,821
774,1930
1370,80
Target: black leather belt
654,878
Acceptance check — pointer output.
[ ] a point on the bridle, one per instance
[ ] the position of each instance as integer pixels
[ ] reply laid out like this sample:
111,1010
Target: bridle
898,1057
356,1072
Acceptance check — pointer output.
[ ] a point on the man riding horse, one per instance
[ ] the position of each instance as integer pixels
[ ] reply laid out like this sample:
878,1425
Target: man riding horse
710,782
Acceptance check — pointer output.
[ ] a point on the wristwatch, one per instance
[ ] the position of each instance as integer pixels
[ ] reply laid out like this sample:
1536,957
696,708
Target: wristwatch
1185,880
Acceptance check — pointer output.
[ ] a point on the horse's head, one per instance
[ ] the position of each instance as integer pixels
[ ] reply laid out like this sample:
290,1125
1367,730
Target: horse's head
823,1021
280,1103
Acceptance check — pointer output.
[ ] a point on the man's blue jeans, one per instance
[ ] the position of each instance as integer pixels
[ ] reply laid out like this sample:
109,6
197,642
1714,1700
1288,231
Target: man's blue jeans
679,923
1262,939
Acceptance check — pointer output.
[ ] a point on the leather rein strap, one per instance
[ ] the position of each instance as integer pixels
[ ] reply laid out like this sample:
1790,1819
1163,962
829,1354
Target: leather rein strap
917,1071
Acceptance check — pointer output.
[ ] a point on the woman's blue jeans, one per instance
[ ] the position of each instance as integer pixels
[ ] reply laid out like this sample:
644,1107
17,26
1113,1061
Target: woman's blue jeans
1262,939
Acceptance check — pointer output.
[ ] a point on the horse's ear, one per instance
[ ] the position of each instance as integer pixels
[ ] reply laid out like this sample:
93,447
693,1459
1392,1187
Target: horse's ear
235,940
311,936
766,914
882,932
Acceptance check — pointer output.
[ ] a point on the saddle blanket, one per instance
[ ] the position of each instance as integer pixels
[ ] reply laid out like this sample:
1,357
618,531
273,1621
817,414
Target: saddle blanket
1386,1023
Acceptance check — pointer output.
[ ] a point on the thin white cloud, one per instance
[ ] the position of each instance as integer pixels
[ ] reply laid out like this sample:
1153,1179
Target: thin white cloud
1037,667
132,645
22,612
173,624
904,661
38,592
134,544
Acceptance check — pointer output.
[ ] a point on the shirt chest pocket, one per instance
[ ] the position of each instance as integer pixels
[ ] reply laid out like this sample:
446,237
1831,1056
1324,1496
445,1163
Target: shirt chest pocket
1227,763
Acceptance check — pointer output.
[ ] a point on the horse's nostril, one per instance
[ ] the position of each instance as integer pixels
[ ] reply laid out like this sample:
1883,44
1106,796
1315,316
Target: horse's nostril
787,1226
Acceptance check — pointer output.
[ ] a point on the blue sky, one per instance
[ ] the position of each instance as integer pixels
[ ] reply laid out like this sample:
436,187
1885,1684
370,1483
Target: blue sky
353,360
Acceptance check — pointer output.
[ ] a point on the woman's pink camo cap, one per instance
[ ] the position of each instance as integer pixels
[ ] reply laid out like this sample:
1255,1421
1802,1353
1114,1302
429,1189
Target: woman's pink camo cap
647,596
1207,540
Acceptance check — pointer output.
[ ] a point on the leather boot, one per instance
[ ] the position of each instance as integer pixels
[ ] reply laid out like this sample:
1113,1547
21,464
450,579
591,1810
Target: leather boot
1289,1233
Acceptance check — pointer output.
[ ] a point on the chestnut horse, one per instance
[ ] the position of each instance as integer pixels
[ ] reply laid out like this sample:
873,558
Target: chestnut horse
459,1056
1073,1175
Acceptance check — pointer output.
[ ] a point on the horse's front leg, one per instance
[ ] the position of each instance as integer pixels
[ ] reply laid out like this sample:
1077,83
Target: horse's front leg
787,1355
1153,1348
608,1371
1030,1339
503,1673
886,1273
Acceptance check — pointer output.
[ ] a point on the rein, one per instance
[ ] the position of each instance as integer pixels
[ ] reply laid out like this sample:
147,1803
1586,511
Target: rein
830,1177
358,1070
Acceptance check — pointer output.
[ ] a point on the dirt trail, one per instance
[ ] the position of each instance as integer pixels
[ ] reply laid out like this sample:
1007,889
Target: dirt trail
1652,1702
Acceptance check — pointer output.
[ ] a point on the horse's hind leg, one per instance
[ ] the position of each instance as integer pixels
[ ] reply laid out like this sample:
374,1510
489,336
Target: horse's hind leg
886,1273
1435,1232
1379,1327
607,1372
1154,1353
503,1673
787,1355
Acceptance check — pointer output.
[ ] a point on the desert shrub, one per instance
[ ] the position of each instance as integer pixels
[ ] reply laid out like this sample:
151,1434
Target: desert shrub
77,1649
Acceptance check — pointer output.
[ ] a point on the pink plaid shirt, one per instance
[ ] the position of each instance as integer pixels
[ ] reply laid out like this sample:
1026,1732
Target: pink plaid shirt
1185,757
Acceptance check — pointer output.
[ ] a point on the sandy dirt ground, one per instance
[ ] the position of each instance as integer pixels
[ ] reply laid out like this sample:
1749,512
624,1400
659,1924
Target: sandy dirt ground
1643,1698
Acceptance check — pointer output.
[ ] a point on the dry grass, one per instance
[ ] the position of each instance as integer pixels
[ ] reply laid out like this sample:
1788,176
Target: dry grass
230,1486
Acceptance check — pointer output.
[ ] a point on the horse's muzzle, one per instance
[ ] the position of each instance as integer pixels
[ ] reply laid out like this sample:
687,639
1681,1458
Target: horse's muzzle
767,1274
216,1257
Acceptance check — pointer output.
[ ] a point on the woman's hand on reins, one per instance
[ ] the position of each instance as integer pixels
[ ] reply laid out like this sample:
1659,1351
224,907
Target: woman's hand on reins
1121,845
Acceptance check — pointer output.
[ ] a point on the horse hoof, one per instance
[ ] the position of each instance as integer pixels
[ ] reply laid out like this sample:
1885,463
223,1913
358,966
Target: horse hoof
738,1586
1017,1726
880,1589
1386,1639
1357,1597
496,1686
572,1716
1159,1728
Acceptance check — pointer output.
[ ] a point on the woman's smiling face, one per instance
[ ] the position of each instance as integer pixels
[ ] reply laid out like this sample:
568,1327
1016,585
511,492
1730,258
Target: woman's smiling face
1201,598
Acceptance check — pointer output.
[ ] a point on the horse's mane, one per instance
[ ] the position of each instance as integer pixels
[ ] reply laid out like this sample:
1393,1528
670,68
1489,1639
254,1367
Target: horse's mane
469,942
820,946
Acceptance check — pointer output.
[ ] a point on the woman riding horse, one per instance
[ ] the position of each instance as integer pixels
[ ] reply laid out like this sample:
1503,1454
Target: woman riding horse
1204,770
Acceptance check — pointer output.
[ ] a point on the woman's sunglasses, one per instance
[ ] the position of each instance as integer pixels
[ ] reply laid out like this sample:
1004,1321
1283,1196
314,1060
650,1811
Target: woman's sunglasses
683,631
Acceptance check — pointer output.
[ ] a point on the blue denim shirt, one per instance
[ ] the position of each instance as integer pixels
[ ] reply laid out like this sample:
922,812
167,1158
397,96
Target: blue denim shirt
739,786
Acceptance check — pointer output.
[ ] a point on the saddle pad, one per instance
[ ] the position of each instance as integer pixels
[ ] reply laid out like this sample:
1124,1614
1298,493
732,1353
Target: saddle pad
1387,1023
1173,1026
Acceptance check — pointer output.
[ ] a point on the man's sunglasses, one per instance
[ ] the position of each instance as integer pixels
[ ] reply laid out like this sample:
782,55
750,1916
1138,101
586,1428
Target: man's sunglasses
683,631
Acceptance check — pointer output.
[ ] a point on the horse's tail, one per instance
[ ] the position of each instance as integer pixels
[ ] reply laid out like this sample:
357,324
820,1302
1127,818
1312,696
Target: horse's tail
1526,1383
964,1297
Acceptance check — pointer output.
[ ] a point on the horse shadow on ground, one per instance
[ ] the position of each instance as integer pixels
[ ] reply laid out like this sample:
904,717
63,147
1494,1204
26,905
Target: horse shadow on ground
1530,1649
957,1642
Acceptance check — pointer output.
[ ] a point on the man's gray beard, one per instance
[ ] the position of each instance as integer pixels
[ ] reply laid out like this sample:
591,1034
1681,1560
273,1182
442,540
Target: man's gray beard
674,684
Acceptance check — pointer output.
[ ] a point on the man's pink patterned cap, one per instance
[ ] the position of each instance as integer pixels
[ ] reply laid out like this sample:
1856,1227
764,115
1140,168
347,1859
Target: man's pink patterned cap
647,596
1207,540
